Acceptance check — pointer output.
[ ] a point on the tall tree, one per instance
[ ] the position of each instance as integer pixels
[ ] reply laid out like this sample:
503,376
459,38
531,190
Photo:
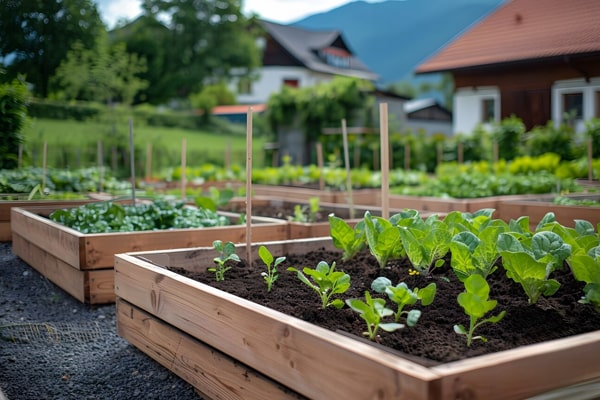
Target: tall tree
209,41
35,36
104,73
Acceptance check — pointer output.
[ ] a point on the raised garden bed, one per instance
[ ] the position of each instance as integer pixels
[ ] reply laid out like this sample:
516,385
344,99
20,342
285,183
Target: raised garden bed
7,205
230,347
82,264
537,207
296,193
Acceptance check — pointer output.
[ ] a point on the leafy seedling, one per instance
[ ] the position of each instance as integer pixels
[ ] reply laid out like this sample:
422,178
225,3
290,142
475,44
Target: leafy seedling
403,296
349,240
326,282
373,311
476,304
383,238
426,244
226,253
270,276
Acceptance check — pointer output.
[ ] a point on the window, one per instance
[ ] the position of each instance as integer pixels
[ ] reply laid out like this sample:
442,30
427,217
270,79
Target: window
244,86
291,83
488,110
572,105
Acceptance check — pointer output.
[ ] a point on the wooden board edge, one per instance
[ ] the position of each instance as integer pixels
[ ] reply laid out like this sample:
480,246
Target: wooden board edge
214,374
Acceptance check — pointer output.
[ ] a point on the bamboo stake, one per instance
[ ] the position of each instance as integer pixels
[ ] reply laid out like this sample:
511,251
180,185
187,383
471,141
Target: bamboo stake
249,186
461,150
385,160
320,164
132,160
228,154
496,152
44,155
183,167
347,162
20,162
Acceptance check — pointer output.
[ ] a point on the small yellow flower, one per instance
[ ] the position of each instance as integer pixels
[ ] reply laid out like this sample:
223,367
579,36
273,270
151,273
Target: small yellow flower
413,271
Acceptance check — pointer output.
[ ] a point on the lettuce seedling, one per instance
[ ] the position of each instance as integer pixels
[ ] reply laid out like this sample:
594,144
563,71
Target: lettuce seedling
349,240
327,282
373,310
270,276
476,304
226,253
403,296
475,254
426,244
383,239
306,213
530,261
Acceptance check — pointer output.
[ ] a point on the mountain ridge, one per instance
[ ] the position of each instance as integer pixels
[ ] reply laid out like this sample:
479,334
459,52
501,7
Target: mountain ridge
393,37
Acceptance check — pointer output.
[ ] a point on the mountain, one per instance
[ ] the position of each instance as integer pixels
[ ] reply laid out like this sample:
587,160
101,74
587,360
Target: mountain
392,37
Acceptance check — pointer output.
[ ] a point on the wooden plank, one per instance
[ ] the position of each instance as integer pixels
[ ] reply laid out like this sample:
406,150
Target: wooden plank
61,242
214,374
70,279
284,348
5,231
99,286
523,372
536,210
198,258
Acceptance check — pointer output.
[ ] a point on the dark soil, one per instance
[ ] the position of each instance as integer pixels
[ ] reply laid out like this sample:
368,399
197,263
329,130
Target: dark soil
433,339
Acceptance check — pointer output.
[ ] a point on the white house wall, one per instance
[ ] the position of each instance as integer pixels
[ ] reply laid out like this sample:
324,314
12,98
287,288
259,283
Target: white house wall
468,107
588,89
272,78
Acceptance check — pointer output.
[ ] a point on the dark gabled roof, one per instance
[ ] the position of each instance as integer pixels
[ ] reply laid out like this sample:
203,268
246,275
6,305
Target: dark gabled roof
304,45
523,30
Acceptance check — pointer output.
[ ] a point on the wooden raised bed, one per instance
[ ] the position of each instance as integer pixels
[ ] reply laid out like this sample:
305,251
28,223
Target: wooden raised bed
537,207
82,264
7,205
295,193
231,348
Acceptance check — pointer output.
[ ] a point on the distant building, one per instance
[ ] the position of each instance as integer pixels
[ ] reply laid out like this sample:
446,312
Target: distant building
299,58
536,59
429,116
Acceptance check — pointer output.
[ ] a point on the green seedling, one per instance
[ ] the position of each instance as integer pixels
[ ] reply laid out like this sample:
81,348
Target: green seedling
349,240
327,282
270,276
476,304
373,311
307,214
403,296
426,243
226,253
383,239
530,261
215,198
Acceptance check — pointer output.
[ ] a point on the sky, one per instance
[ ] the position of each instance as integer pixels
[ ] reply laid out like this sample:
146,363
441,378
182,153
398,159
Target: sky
281,11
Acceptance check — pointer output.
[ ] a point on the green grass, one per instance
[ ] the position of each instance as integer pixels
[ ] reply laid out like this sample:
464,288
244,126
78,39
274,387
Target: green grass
74,144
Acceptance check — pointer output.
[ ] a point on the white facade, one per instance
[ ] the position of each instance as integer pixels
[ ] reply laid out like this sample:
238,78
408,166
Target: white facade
590,96
272,79
469,108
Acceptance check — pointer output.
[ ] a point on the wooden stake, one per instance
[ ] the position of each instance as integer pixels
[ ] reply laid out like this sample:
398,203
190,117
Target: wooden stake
20,162
407,156
148,161
496,152
347,162
385,160
132,160
440,154
249,186
44,155
590,154
183,167
320,165
461,150
100,166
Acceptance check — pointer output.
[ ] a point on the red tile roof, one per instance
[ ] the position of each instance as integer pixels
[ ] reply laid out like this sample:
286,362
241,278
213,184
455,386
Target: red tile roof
523,30
238,109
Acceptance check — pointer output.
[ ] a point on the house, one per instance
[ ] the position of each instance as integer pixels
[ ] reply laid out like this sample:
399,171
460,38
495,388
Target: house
299,57
536,59
428,116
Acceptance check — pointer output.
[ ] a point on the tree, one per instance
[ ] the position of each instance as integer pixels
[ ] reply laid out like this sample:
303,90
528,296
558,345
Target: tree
35,36
210,97
103,73
13,116
208,41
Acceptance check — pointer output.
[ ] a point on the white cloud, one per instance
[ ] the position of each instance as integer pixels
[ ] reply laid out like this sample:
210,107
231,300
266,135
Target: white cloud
282,11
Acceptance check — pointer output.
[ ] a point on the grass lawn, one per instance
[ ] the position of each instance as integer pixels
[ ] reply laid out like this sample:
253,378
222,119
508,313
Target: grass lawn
75,144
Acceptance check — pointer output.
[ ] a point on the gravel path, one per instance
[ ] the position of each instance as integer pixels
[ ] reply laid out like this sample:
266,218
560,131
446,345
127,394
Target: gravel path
63,349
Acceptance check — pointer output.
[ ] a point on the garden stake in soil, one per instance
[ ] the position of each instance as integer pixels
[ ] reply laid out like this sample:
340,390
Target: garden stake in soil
249,186
385,160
